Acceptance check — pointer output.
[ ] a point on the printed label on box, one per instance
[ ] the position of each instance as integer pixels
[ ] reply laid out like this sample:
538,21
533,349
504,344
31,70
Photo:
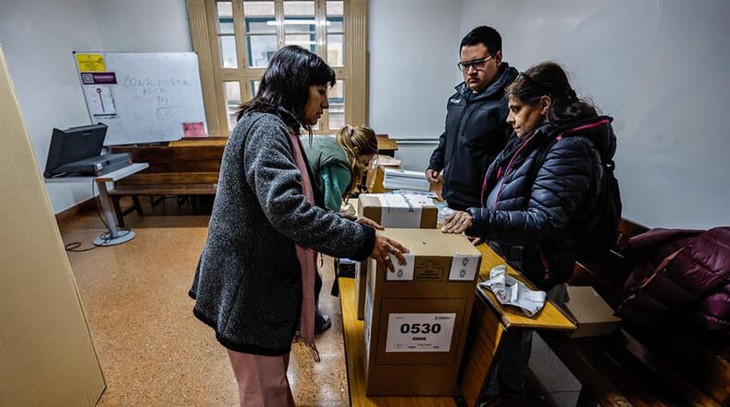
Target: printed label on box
464,267
400,210
420,332
430,271
403,272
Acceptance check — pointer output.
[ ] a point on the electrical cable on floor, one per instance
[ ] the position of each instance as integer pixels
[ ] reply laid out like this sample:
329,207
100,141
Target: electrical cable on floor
74,247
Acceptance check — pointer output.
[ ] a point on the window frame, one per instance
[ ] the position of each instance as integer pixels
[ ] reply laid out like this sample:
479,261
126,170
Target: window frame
202,15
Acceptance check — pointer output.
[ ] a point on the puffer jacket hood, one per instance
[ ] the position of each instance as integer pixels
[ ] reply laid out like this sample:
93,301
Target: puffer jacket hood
598,130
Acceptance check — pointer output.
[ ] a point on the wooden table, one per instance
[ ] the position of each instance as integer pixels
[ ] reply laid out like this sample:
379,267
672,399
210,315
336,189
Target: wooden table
489,321
355,354
551,317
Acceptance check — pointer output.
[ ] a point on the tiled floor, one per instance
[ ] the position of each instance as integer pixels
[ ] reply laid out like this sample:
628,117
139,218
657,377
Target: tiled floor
153,351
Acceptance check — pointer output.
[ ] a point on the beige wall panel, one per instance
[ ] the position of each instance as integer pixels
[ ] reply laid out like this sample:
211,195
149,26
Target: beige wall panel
47,357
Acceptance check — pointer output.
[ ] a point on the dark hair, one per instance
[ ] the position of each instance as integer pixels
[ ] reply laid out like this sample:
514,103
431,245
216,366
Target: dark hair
284,87
483,35
549,78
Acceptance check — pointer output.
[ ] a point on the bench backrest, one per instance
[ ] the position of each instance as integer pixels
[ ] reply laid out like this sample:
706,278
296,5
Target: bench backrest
608,273
178,163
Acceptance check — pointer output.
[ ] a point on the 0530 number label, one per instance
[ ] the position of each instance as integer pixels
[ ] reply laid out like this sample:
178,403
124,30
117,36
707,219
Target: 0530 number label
420,332
420,328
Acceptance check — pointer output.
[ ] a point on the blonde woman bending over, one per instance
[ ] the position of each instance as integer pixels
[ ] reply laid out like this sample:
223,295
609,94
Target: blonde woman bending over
337,164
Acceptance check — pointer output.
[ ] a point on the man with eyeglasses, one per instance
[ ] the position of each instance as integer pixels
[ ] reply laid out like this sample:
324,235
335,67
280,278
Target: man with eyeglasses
476,129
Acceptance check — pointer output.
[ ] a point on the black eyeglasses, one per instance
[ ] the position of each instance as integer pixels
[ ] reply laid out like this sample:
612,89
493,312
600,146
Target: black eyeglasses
477,64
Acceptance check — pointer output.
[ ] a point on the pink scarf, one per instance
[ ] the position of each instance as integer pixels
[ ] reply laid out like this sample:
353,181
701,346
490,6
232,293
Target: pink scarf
307,261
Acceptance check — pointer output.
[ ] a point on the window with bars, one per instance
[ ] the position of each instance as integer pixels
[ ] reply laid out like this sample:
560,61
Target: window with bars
236,39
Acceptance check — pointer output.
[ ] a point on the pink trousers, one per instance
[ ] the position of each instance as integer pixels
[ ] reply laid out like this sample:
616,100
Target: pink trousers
262,380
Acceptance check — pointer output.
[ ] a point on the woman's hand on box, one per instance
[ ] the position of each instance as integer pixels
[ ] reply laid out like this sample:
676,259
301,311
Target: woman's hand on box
384,248
457,222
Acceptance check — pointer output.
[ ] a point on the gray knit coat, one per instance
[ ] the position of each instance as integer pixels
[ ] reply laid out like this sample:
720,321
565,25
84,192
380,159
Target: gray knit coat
247,284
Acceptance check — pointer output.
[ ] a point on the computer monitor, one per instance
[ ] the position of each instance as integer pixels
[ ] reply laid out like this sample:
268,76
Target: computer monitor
74,144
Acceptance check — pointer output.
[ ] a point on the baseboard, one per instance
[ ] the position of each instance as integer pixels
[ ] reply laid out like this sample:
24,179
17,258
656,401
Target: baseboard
63,218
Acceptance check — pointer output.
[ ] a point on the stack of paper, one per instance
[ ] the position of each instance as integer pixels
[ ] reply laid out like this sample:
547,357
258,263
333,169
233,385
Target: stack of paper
403,179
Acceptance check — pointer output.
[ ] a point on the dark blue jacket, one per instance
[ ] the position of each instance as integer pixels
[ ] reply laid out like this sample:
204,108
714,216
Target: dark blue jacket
475,132
545,198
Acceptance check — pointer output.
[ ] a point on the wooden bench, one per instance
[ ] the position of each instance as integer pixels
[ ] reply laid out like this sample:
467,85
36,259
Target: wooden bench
386,145
179,168
182,168
672,366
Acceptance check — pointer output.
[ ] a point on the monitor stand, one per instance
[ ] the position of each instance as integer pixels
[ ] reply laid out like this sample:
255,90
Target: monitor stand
113,236
106,239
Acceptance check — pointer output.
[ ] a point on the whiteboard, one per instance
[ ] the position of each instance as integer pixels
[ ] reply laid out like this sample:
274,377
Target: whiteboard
143,97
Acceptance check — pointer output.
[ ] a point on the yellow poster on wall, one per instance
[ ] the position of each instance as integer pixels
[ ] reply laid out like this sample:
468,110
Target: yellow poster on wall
90,62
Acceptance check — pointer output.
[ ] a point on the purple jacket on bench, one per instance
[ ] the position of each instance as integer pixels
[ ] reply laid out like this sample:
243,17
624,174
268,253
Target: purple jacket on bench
696,280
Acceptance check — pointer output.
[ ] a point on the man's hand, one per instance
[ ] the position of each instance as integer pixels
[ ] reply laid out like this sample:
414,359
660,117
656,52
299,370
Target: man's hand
432,176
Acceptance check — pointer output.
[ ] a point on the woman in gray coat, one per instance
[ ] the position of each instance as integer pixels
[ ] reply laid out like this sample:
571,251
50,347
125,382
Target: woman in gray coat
255,277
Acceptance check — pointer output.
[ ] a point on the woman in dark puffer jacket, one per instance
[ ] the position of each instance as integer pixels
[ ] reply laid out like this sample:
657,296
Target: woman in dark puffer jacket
538,195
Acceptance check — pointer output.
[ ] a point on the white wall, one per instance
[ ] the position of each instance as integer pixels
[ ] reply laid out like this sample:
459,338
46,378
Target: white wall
661,69
144,26
39,36
414,48
658,67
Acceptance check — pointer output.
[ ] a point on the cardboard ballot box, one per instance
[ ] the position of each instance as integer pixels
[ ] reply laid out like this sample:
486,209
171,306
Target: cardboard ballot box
392,210
360,280
593,316
399,210
417,317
